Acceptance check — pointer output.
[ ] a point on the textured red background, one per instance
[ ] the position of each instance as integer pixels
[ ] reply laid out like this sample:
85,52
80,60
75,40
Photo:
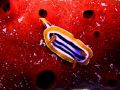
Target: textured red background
23,55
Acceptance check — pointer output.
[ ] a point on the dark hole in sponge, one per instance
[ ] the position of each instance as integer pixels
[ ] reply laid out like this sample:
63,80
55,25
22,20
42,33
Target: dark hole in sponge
96,34
43,13
112,82
45,79
88,14
5,5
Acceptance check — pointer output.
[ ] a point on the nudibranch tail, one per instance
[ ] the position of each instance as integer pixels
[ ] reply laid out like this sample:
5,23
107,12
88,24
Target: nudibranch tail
74,64
63,43
45,22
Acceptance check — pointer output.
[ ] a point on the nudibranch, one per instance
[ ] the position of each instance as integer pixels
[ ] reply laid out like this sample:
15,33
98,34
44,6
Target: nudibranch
63,43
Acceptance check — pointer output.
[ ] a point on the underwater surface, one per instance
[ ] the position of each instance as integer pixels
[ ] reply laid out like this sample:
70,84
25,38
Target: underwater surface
27,62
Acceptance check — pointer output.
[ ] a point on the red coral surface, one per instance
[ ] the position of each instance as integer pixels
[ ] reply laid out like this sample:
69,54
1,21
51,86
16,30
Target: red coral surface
27,64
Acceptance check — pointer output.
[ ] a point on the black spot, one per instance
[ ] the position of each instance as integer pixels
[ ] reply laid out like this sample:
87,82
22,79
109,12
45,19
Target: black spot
88,14
43,13
0,3
112,82
96,34
45,79
5,5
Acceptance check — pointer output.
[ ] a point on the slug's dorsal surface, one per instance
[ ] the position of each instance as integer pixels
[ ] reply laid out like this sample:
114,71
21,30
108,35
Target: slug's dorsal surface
63,43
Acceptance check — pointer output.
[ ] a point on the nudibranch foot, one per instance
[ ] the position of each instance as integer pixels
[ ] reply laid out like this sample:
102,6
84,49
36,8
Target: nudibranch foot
65,45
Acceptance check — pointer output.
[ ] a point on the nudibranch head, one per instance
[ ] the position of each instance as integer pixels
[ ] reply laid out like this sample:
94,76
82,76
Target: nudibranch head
63,43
